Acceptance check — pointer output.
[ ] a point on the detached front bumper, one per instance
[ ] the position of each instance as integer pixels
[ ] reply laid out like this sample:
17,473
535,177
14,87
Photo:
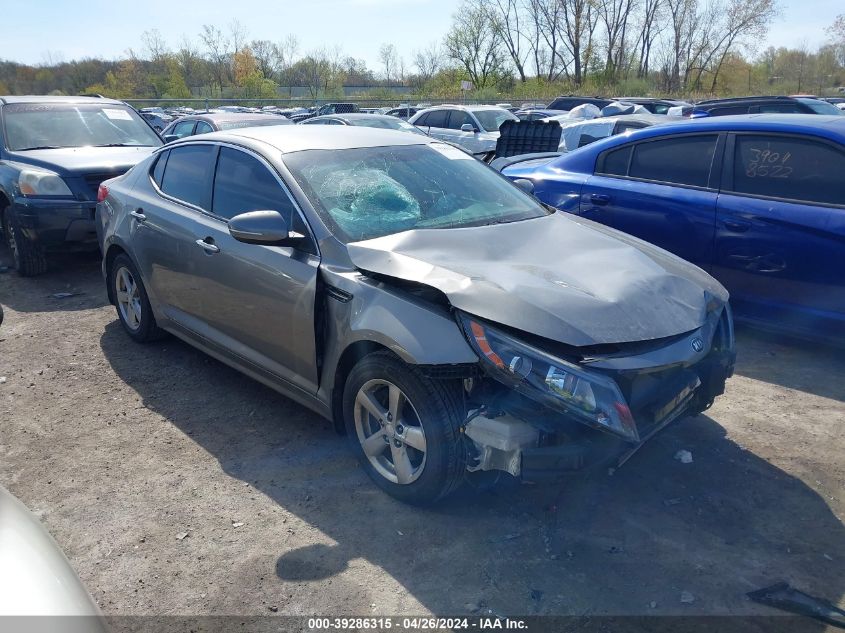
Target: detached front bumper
57,224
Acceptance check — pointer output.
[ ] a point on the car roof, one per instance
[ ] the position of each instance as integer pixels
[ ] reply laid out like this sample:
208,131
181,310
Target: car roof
467,108
826,126
746,99
810,123
355,116
57,99
297,138
219,117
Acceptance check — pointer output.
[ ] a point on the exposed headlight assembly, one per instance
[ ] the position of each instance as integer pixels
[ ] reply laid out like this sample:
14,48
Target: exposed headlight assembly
41,182
589,397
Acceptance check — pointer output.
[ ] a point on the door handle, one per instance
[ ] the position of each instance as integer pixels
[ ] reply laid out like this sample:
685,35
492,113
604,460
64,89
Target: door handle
599,198
138,214
208,247
737,226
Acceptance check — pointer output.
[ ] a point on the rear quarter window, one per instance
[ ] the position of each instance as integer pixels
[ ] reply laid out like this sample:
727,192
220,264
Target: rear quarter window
683,160
615,162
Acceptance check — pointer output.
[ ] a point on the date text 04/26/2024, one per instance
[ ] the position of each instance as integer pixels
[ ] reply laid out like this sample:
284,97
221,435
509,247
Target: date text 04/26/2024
480,623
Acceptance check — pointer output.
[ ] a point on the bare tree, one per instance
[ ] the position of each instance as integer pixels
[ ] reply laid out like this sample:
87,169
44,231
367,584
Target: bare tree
237,36
286,51
428,61
614,16
217,52
154,44
264,52
577,26
473,43
743,19
506,16
388,57
650,29
547,16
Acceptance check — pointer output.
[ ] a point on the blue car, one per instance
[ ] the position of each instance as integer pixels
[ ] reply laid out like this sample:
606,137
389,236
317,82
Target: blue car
757,201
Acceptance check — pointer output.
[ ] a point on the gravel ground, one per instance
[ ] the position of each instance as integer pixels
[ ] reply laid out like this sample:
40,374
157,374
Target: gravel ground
122,448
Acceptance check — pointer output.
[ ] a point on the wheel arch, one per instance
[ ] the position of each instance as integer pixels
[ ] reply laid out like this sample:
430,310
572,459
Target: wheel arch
350,356
112,252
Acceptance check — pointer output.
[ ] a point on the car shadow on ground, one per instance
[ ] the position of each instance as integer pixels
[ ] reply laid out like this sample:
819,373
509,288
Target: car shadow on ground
790,362
72,282
625,544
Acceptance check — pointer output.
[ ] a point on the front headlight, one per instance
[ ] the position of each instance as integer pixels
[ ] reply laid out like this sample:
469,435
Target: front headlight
589,397
41,182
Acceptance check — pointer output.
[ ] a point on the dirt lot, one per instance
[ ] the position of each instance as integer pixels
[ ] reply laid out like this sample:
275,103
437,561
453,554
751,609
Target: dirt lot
119,448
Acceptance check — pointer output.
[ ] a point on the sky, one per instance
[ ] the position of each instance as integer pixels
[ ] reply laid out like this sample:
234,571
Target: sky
38,31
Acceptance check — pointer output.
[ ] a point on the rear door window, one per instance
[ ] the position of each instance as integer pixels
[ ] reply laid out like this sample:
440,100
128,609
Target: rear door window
729,110
438,118
203,128
788,167
457,118
187,175
243,183
682,160
785,108
183,129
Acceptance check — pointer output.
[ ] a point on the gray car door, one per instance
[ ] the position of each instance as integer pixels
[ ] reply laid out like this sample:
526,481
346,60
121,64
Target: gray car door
257,301
164,212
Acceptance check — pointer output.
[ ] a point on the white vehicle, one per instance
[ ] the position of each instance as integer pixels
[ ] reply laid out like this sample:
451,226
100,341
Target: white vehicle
475,128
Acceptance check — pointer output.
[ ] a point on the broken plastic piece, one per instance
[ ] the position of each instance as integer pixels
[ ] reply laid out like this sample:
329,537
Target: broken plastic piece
783,596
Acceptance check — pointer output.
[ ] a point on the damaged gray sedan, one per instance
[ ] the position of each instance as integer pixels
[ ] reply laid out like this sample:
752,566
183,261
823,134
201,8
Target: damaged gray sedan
442,317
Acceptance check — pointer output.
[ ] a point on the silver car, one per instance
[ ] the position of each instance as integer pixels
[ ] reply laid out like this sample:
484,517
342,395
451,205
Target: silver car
475,128
440,315
39,590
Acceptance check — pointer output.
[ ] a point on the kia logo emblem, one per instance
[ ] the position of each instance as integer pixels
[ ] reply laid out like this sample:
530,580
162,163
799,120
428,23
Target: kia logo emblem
697,344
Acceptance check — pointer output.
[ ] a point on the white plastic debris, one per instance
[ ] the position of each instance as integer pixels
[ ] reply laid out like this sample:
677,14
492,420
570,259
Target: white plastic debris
181,536
685,457
2,379
237,524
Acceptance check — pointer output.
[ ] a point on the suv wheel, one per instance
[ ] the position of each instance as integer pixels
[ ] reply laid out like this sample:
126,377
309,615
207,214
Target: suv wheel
404,428
28,256
130,298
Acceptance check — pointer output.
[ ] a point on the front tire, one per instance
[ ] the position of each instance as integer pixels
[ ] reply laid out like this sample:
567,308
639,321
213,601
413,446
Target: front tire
131,301
404,428
29,257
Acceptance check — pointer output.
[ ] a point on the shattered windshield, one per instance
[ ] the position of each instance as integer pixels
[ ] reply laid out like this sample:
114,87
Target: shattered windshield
371,192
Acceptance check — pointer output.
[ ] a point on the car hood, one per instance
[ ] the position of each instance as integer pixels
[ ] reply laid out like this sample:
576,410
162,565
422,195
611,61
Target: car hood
560,277
74,161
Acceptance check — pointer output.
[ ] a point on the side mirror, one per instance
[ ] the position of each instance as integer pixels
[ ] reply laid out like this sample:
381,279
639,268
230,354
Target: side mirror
526,185
468,127
263,227
169,138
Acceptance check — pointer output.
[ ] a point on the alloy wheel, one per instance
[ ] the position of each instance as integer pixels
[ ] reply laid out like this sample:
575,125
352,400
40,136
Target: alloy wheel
128,298
390,431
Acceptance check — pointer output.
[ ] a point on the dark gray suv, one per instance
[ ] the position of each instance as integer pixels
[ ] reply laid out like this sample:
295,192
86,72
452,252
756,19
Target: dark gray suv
54,153
445,319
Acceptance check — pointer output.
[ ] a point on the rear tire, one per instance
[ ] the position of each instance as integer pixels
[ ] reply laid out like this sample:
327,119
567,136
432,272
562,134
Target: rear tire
131,301
404,428
29,258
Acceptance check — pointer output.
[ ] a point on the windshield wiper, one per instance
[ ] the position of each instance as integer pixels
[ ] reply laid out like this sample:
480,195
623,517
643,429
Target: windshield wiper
120,145
26,149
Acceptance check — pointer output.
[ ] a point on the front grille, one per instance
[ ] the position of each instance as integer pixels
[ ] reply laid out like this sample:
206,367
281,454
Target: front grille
92,182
